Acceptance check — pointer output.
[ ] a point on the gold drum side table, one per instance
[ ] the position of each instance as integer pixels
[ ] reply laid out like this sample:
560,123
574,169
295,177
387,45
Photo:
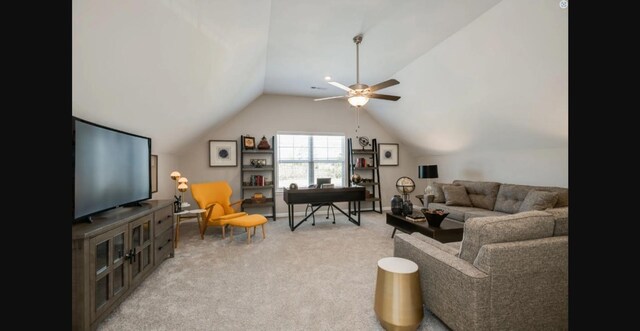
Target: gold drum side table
398,298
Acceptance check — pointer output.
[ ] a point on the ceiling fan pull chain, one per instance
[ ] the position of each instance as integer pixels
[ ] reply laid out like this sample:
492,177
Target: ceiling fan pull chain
357,120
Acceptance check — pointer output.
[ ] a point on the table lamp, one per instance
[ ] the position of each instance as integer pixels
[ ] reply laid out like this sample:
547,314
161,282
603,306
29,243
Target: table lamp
175,175
181,186
429,172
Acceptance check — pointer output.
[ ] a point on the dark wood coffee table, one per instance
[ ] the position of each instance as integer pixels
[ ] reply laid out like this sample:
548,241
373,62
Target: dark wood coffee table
447,232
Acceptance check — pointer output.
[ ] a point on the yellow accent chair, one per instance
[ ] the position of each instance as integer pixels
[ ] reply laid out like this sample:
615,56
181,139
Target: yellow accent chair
215,197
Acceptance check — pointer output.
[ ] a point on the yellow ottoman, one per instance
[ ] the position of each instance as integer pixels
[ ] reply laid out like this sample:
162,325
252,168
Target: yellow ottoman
246,222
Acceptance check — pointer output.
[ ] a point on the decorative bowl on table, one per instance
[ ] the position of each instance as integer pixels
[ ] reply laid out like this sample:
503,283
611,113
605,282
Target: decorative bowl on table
434,216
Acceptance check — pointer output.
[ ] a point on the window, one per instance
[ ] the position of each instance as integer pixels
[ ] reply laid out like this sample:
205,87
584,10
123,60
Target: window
303,157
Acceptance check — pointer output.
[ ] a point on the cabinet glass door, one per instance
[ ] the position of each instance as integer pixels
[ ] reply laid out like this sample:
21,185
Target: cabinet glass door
108,277
141,233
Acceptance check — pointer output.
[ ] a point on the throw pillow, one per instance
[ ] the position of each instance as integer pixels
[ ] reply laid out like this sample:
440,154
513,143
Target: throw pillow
438,194
456,195
539,200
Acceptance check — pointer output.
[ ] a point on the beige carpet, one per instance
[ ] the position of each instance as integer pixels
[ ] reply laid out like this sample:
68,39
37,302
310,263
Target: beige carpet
316,278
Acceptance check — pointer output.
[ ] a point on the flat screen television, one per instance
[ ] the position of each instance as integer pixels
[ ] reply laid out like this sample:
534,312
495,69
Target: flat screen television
111,168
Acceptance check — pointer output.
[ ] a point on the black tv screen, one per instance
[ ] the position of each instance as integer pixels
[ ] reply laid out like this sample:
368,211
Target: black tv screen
111,168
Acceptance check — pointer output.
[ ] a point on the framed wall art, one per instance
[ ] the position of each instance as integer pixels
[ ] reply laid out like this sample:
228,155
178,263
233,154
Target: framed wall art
223,153
388,154
154,173
249,142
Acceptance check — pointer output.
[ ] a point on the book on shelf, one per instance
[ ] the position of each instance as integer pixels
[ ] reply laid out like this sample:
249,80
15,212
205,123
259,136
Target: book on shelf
416,217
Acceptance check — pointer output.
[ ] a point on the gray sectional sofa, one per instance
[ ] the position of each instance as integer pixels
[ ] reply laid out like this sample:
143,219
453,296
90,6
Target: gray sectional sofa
510,271
497,199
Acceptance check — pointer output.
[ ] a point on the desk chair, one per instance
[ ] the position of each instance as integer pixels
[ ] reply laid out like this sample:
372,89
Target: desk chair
313,205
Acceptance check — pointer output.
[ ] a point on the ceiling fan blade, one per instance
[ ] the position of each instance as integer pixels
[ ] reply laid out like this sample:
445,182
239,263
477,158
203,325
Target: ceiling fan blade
338,85
384,84
327,98
383,96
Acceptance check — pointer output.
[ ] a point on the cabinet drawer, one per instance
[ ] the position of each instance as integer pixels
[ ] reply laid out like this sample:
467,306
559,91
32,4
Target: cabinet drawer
163,219
163,245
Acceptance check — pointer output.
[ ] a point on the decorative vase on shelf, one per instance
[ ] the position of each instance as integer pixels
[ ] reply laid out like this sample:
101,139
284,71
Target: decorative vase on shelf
407,207
264,143
396,205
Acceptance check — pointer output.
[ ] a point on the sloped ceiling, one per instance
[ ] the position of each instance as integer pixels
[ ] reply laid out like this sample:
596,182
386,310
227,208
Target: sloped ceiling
173,69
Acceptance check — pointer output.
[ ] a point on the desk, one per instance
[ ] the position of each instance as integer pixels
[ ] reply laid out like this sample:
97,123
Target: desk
323,195
187,214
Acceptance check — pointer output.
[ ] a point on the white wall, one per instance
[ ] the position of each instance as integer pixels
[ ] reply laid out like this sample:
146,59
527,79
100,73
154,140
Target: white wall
544,167
165,69
491,101
166,186
271,113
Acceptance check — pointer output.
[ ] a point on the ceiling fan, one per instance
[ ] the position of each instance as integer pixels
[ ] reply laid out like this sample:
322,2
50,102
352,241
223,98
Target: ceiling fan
359,94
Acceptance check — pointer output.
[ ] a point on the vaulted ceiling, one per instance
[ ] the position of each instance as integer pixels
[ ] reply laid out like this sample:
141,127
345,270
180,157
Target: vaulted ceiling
472,72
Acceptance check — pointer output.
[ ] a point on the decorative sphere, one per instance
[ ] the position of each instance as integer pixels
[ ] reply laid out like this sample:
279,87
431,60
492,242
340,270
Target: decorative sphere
356,178
405,185
363,141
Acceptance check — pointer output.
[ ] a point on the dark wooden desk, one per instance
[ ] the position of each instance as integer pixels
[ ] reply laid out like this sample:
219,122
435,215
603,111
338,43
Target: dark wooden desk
447,232
326,196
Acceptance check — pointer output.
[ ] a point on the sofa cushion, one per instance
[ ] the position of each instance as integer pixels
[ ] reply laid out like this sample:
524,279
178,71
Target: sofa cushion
438,193
510,197
482,213
455,245
481,194
480,231
561,215
563,194
456,195
453,250
539,200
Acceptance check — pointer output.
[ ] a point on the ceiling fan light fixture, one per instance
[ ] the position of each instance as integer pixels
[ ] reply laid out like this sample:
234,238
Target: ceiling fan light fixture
358,100
359,94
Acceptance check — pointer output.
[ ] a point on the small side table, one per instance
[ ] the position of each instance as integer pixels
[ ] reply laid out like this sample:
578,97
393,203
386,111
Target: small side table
187,214
398,298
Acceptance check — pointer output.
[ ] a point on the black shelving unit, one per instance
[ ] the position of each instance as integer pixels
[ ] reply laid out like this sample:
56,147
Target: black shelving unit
370,171
247,188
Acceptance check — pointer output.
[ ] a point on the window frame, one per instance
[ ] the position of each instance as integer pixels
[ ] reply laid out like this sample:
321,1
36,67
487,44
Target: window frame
310,161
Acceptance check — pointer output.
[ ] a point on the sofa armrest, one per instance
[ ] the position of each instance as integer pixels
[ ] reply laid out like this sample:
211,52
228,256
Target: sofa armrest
561,217
537,270
453,289
436,243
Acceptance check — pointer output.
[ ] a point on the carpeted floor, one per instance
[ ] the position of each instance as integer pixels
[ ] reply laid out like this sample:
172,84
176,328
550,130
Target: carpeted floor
316,278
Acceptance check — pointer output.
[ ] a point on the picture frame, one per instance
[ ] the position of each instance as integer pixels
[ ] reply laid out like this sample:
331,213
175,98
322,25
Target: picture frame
249,142
154,173
223,153
388,154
